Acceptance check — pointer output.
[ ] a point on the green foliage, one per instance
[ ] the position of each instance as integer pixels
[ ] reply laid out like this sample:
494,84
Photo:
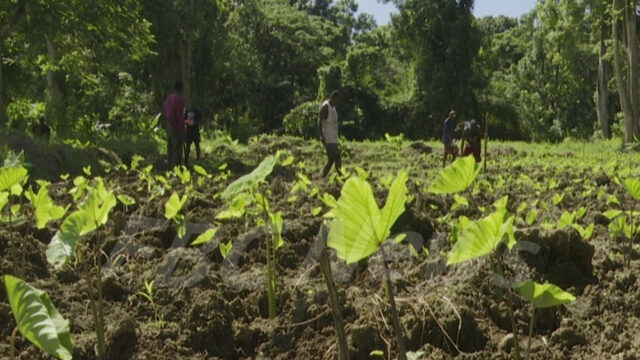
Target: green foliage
92,213
542,295
251,180
482,237
44,208
456,177
302,120
205,237
225,248
359,226
633,187
38,319
173,206
12,179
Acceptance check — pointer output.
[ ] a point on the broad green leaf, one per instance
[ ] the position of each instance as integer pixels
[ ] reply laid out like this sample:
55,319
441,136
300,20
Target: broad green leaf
557,198
612,199
612,214
4,200
174,205
460,201
522,207
38,319
378,353
633,187
617,225
580,213
566,219
237,208
205,237
532,215
542,295
200,170
480,238
12,177
44,208
126,200
251,180
585,233
275,221
329,200
225,248
359,226
456,177
316,211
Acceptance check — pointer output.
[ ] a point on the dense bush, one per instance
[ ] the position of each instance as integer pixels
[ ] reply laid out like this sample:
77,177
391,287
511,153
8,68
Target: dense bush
302,120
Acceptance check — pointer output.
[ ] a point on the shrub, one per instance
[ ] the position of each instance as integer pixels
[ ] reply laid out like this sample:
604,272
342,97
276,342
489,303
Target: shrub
301,121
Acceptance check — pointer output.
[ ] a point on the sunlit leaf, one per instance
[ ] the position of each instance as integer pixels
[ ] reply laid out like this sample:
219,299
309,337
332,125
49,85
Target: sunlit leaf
456,177
174,205
44,208
225,248
532,215
542,295
480,238
275,221
11,177
205,237
566,219
126,200
251,180
633,187
38,319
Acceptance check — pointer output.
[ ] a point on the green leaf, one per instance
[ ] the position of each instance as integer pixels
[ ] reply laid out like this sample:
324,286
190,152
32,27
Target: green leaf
460,201
542,295
522,207
4,200
612,214
612,199
480,238
12,177
456,177
585,233
378,353
205,237
200,170
174,205
126,200
251,180
183,173
566,219
275,221
38,319
359,226
237,208
557,198
225,248
316,211
44,208
633,187
532,215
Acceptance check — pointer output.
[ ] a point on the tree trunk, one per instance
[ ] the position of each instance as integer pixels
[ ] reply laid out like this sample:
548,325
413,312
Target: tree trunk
625,101
603,90
634,78
53,93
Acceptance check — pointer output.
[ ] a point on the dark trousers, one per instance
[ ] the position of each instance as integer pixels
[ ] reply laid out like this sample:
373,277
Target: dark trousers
175,142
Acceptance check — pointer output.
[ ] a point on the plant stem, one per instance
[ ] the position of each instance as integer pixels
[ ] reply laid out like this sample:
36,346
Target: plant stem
531,322
394,312
325,267
271,281
12,349
516,345
96,308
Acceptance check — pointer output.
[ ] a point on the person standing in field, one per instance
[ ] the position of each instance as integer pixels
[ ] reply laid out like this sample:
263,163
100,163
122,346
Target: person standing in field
328,132
193,132
472,136
173,112
448,137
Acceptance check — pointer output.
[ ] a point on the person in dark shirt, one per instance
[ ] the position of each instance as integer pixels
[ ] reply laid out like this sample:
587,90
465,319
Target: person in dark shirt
448,137
41,129
193,118
173,112
471,140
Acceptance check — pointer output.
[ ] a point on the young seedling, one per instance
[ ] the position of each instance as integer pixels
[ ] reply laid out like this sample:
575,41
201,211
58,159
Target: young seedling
148,294
92,213
360,227
626,220
37,319
246,191
12,180
540,296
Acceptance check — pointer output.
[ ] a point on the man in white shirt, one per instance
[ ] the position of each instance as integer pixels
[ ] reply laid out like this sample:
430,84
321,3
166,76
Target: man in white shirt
328,130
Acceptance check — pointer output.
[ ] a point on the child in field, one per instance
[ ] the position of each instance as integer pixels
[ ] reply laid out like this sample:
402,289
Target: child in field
472,135
192,136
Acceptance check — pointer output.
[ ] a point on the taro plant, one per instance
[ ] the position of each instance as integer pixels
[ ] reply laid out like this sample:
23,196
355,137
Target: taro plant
13,176
38,320
148,295
540,296
248,195
360,227
626,220
172,209
92,213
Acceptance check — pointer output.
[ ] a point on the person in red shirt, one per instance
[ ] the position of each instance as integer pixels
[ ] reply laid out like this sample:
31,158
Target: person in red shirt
173,112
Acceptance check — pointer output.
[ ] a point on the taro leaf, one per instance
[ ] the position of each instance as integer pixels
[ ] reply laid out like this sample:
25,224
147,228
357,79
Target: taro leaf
566,219
126,200
456,177
585,233
542,295
200,170
522,207
205,237
225,248
4,200
38,319
532,215
44,208
275,221
557,198
612,214
251,180
174,205
359,226
12,178
481,238
631,184
237,208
